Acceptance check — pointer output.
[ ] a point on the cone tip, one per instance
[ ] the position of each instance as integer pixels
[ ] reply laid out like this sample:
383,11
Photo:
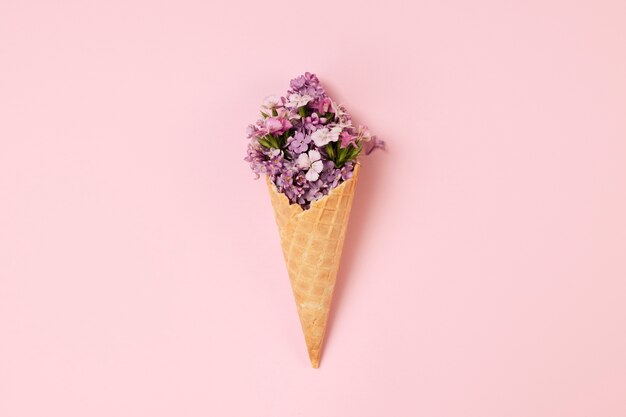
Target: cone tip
315,359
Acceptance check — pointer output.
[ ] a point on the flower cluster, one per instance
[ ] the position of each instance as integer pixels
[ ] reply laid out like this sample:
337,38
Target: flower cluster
305,142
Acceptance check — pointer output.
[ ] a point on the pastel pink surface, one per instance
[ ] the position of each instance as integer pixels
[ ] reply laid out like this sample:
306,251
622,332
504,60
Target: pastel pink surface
140,266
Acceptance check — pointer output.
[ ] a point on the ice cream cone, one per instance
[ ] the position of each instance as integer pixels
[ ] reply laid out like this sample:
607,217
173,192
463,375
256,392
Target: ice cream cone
312,241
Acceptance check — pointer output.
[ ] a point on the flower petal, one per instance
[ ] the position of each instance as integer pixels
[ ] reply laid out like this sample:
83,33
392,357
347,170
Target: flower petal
317,166
319,136
333,136
311,175
273,124
314,156
303,161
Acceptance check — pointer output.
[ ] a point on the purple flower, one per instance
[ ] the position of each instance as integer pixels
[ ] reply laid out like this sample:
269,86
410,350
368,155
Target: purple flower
313,121
256,158
346,171
299,143
307,84
250,131
330,175
298,82
275,165
314,192
257,130
303,169
300,179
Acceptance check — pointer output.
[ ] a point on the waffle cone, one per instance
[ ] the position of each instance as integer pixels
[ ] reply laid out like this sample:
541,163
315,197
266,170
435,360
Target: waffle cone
312,241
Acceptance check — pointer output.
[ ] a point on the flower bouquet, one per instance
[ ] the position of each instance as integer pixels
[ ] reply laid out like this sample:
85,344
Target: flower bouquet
308,148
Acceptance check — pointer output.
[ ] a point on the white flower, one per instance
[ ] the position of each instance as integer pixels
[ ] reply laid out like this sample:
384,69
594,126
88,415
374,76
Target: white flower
323,136
341,114
275,152
337,109
364,134
271,102
296,100
312,163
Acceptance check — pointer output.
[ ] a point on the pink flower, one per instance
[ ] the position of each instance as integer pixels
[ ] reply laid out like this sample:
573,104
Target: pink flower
347,139
273,124
277,125
286,125
325,105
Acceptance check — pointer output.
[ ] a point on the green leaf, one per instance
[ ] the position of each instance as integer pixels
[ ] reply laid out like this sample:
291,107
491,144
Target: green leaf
353,153
330,151
265,116
274,112
302,112
347,154
265,142
273,141
342,155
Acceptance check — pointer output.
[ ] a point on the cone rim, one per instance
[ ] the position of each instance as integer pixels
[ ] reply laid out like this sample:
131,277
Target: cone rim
316,202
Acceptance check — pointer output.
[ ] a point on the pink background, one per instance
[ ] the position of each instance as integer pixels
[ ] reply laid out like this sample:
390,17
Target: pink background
485,266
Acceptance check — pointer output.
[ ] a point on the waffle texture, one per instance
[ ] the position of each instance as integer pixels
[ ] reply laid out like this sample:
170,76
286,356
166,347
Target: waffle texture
312,241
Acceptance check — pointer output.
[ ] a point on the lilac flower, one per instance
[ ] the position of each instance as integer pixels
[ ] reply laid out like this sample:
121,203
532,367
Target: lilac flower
312,163
301,167
346,171
330,176
284,182
250,131
313,121
298,143
275,164
304,81
256,158
307,84
315,191
298,82
300,179
257,129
